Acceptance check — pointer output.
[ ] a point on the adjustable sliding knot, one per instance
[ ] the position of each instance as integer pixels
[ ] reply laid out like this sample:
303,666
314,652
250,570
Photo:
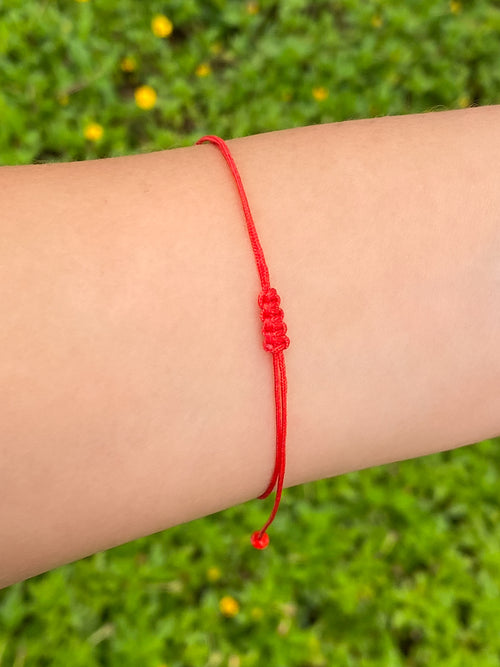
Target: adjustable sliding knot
274,328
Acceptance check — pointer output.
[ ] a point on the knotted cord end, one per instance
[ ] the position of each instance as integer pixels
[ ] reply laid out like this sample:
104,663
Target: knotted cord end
260,541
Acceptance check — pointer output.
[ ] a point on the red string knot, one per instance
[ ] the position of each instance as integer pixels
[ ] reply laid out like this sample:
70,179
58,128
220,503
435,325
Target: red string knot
274,329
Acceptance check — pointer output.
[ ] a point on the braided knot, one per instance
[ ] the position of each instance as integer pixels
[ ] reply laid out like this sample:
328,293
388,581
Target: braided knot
274,329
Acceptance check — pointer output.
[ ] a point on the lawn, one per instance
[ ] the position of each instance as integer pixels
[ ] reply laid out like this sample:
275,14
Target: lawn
389,566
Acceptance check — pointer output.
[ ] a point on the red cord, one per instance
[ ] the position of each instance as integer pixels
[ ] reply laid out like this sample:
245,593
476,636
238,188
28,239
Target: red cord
275,341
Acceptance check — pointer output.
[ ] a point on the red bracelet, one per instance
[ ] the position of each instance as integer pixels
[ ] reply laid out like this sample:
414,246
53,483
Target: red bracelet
275,341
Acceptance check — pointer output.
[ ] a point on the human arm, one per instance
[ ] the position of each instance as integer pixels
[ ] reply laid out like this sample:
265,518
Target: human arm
135,391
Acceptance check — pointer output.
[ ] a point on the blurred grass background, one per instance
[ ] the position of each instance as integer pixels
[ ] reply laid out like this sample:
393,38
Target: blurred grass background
393,565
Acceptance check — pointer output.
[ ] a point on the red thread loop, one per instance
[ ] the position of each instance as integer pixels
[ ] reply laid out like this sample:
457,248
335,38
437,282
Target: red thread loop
274,328
275,341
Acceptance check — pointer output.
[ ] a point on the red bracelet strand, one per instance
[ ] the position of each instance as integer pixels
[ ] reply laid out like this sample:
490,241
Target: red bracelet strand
275,341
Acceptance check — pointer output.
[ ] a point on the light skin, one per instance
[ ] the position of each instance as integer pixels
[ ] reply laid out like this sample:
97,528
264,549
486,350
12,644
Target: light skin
135,391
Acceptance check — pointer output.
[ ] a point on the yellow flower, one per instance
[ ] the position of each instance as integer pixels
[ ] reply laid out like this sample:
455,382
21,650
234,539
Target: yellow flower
234,661
376,21
145,97
464,101
203,69
252,7
229,606
93,132
81,0
455,6
320,93
216,48
161,25
128,64
63,99
213,573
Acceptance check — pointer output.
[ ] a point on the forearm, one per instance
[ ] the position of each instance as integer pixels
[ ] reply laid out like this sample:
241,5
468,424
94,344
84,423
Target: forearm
136,394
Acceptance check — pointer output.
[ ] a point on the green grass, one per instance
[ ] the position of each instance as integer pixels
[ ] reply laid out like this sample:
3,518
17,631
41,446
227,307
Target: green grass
393,565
